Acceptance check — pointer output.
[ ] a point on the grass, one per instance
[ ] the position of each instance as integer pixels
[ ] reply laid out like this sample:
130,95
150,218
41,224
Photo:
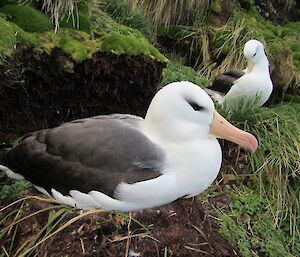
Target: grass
59,9
248,224
126,13
164,13
276,164
176,71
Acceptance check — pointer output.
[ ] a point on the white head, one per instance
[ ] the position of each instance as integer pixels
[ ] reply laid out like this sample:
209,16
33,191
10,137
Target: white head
183,109
255,53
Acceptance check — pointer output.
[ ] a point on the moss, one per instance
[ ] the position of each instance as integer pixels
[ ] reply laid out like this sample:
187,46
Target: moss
11,34
81,22
12,189
216,6
27,18
124,40
78,44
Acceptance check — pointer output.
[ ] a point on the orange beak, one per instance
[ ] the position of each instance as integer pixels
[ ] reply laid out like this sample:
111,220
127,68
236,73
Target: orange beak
249,66
221,128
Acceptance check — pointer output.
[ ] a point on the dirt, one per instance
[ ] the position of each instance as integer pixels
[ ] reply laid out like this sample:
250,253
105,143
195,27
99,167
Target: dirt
38,90
183,228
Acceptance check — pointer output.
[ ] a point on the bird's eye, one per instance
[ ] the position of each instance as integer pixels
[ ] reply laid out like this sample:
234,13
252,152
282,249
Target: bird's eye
254,54
196,107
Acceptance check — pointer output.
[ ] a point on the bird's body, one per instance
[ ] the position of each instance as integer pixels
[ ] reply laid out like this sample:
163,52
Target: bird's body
124,162
252,86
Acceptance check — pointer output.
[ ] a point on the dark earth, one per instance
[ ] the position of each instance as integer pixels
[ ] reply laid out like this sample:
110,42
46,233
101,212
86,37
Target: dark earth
38,90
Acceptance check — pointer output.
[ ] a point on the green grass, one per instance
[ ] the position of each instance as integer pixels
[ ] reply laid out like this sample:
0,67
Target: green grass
276,167
176,71
248,224
27,18
124,12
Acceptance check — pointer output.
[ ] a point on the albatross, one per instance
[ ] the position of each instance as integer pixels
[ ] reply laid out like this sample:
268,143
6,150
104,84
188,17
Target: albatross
124,162
252,85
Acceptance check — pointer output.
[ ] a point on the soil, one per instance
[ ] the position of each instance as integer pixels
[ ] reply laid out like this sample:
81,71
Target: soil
39,90
183,228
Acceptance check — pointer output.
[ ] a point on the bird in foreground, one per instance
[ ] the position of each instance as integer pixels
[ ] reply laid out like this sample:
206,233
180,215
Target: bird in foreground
252,85
124,162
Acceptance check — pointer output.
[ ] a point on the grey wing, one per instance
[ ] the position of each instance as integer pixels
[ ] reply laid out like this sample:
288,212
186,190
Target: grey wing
223,82
88,154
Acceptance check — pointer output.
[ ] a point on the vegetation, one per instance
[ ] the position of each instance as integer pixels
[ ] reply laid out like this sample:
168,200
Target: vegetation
128,14
11,34
27,18
263,218
248,224
176,71
275,168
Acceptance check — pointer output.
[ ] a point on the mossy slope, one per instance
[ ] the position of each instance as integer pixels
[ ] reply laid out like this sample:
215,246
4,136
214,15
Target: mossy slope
111,38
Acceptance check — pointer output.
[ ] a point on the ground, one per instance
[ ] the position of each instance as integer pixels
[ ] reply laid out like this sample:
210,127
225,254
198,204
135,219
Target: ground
183,228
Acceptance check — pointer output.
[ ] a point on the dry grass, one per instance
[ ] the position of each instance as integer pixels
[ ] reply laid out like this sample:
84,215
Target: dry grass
164,13
58,9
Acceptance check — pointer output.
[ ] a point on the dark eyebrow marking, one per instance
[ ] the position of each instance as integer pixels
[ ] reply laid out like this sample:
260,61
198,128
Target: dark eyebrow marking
195,106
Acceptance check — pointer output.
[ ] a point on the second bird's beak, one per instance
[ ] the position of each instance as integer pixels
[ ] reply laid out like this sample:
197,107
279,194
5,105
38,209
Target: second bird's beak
221,128
249,66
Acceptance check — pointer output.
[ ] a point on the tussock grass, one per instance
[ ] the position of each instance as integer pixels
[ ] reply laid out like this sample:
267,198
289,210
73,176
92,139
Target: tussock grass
276,163
58,9
230,40
164,13
127,13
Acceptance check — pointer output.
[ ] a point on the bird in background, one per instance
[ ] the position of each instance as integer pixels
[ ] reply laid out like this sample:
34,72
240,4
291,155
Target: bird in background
251,86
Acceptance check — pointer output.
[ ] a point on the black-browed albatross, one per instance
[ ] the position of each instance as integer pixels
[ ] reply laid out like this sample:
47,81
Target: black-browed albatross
124,162
252,85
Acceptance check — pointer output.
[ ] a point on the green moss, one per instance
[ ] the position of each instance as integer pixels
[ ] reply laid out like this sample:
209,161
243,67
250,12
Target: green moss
12,189
11,34
216,6
27,18
123,40
75,48
82,22
78,44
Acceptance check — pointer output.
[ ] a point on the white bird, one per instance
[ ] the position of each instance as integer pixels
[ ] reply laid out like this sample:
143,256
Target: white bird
123,162
253,85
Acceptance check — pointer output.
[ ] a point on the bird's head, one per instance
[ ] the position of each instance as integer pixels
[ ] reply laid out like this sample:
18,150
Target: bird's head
182,109
254,53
